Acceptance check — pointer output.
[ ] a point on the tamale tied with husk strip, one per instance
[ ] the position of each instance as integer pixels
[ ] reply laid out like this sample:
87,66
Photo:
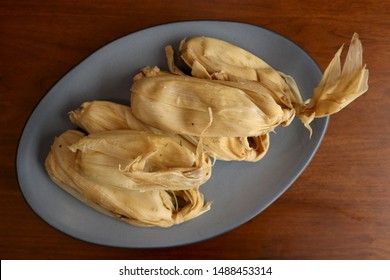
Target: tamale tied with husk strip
216,59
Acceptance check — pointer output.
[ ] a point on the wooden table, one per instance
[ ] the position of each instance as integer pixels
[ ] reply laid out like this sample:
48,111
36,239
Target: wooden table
339,208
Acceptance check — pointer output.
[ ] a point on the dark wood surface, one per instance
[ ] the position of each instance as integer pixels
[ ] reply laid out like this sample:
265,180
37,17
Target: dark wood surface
339,208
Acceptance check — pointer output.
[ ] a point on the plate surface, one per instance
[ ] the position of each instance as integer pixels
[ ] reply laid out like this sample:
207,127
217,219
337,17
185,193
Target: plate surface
239,190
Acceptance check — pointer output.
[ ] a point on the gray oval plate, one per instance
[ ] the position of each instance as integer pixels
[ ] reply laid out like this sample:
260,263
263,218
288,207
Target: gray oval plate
239,190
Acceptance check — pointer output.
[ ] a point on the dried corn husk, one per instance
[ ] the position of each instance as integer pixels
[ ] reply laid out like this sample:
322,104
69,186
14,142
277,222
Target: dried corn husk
286,93
212,58
141,208
251,148
187,105
97,116
140,160
338,86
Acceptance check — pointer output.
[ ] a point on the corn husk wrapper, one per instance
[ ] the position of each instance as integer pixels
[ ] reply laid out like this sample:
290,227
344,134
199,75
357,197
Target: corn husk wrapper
211,58
243,108
339,85
140,160
187,106
234,148
141,208
97,116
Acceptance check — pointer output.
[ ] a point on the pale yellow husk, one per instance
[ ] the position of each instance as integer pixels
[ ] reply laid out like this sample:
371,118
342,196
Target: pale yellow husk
182,105
339,85
97,116
139,160
234,148
211,58
246,96
240,107
141,208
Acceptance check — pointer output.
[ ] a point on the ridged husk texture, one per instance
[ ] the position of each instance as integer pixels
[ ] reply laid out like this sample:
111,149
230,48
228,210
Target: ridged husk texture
216,59
96,116
153,206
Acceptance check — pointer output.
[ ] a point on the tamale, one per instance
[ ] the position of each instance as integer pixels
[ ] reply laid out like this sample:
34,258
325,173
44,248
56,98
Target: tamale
96,116
141,208
140,160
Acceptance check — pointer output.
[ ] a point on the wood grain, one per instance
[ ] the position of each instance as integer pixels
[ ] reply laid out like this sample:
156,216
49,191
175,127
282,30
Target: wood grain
339,208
